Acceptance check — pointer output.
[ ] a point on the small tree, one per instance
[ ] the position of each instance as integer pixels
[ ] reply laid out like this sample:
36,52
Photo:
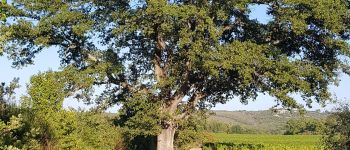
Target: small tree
59,128
15,131
186,55
337,135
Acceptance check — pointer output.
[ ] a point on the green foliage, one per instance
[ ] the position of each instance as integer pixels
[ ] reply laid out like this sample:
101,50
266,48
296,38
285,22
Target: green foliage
96,131
46,93
191,132
140,117
188,138
15,131
2,12
305,126
216,127
219,127
337,135
139,120
65,129
218,42
16,134
237,129
7,92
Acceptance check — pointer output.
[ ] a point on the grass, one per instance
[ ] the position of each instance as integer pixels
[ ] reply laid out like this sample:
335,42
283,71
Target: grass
262,141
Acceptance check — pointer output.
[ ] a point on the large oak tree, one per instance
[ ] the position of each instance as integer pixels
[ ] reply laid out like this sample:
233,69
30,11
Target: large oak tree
176,57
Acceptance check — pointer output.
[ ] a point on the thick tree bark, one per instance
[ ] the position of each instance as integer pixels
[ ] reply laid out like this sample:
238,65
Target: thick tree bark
165,140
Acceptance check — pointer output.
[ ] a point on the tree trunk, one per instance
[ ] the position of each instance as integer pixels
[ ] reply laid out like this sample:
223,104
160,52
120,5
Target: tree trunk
48,145
165,140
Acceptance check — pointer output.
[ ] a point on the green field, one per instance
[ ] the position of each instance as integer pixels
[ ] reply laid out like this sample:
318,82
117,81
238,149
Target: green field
261,141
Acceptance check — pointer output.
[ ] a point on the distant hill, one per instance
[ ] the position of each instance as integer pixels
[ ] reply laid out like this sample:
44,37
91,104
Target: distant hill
266,121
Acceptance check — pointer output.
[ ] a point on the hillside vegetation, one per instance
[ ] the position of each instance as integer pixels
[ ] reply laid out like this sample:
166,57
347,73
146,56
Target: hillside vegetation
265,121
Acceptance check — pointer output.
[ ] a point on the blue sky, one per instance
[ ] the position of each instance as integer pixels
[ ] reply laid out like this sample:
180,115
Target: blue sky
48,60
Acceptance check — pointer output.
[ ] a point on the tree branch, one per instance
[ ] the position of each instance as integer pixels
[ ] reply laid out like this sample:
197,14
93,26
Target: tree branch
191,104
157,61
178,96
121,81
181,92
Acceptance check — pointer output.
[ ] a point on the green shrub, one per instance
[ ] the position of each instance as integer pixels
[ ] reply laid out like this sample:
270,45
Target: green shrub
305,126
337,134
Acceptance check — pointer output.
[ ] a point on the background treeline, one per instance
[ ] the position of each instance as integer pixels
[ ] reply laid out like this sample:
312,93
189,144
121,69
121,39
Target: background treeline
219,127
299,126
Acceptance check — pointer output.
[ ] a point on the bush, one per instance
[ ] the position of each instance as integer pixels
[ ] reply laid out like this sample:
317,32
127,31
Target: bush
337,134
305,126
